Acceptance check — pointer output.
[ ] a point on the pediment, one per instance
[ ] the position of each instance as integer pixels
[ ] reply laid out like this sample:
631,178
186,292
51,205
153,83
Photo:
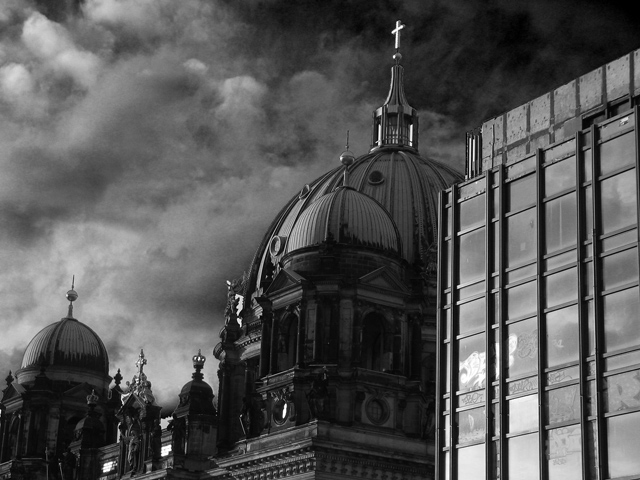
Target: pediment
285,279
13,391
385,279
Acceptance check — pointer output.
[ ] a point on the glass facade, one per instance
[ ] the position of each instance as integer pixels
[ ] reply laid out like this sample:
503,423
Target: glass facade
539,326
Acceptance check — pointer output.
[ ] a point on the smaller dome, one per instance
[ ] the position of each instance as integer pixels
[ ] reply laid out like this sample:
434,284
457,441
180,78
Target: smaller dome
345,216
68,343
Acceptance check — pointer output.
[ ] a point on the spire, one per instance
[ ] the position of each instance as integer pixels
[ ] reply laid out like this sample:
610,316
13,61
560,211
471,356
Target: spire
72,296
346,159
395,124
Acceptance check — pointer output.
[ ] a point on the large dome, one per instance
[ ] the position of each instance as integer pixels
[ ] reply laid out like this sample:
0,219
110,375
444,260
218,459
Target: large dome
345,216
67,343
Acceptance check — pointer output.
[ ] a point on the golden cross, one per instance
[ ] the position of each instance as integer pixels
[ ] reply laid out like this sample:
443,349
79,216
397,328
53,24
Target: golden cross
396,32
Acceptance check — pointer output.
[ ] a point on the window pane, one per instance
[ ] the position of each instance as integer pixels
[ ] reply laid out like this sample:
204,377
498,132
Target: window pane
620,268
561,223
622,445
472,212
563,404
618,201
588,216
521,192
472,258
622,328
471,315
587,165
561,287
564,453
471,425
560,176
593,462
617,153
523,414
523,457
521,237
472,365
622,391
521,300
471,462
522,348
562,336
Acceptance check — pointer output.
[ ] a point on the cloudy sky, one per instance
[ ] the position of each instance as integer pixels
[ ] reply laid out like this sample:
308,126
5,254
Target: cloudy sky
145,145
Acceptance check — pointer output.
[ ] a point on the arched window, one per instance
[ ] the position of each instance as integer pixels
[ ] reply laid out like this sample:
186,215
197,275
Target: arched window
288,343
373,344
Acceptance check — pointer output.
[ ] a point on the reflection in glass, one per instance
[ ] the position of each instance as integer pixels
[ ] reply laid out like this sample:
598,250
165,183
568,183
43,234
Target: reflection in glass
471,256
622,391
472,212
561,287
588,214
620,268
617,153
471,462
622,445
522,347
521,192
618,201
560,176
472,369
523,457
523,414
521,237
622,328
471,315
591,325
587,165
563,404
619,240
562,336
561,223
521,300
592,451
471,425
564,453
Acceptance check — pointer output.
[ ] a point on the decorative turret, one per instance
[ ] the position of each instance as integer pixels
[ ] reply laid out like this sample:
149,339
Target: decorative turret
395,123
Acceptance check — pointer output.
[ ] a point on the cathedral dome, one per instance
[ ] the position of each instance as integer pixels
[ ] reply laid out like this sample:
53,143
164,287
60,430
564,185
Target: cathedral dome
345,216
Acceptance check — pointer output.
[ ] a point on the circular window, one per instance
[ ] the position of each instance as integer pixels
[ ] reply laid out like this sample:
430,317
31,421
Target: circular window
276,246
304,193
376,177
377,411
280,411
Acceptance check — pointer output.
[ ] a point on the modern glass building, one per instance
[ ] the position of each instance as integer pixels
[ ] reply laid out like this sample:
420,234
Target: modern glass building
538,301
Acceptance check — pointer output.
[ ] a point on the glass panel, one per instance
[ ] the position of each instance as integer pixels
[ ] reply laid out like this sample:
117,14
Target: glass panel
592,451
471,425
471,256
617,153
561,223
447,466
587,165
621,361
520,193
495,263
523,414
560,260
472,366
496,308
622,328
496,202
564,452
560,150
447,366
472,212
618,201
622,391
521,237
495,413
521,300
472,188
495,461
591,325
587,273
588,214
471,398
522,348
521,273
523,462
445,266
563,404
471,462
447,322
471,290
447,431
446,222
560,176
471,315
522,386
521,167
561,287
622,445
562,336
563,375
591,398
620,268
619,240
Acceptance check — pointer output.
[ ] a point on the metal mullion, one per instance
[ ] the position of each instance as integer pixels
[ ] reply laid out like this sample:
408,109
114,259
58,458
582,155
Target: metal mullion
597,303
500,368
540,323
439,336
488,258
453,333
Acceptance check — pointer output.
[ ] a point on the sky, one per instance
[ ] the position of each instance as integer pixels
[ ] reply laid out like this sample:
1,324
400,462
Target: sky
146,145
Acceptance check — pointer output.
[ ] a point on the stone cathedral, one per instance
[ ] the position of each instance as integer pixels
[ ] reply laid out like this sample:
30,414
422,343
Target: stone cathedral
326,357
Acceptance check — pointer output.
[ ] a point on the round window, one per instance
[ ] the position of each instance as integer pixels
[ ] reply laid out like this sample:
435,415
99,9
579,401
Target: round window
377,411
280,411
376,177
305,191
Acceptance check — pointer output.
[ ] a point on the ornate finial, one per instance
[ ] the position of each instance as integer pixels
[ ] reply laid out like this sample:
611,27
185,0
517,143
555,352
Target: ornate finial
9,379
72,296
92,398
198,364
117,378
396,32
346,158
141,362
139,383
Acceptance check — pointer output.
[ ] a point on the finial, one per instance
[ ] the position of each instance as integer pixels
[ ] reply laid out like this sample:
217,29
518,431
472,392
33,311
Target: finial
396,32
346,158
117,378
72,296
92,398
9,379
198,364
141,362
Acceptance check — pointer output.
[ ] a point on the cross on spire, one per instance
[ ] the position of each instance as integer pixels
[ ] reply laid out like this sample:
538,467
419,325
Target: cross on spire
141,362
396,32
